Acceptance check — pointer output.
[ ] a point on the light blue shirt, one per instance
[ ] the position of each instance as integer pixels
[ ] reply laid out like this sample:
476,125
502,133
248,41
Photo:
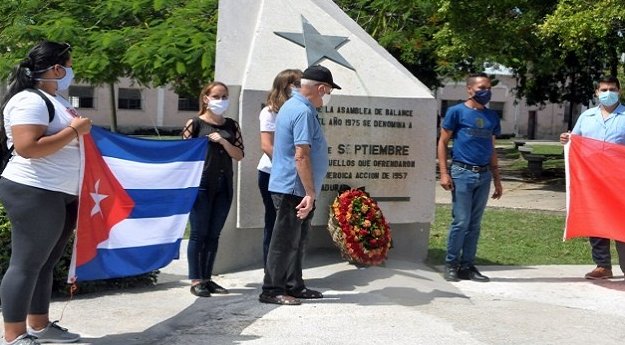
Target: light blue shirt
591,124
297,124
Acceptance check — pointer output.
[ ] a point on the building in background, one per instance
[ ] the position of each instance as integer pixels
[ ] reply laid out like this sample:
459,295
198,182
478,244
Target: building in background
144,109
517,117
138,108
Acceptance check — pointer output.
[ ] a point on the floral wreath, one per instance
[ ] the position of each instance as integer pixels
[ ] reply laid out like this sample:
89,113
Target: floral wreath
358,228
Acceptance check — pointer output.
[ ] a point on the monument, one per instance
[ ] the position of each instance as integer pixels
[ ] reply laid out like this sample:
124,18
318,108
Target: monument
381,127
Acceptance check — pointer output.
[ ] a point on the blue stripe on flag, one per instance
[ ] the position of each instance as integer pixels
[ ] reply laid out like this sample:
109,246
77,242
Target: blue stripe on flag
151,203
126,262
146,150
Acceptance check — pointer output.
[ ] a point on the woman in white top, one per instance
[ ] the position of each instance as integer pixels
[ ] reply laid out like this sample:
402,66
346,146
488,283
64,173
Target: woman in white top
283,84
39,189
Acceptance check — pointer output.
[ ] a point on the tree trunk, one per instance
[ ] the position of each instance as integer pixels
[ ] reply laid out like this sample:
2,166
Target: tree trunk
569,116
113,108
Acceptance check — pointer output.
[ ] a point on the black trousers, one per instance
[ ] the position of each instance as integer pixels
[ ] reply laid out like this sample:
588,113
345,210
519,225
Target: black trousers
601,252
42,221
283,271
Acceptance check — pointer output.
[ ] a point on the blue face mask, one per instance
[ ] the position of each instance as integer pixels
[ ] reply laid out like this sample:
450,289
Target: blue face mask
608,98
482,96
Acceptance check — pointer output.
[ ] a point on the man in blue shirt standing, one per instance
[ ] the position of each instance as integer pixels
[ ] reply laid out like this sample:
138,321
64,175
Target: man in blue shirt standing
473,128
604,122
299,165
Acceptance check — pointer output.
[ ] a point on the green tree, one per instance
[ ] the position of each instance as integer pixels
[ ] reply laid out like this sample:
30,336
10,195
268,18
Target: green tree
156,42
403,27
507,32
580,24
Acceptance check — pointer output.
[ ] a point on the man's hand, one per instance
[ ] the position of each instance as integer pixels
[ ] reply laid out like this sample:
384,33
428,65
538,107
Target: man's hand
498,189
564,137
304,207
446,182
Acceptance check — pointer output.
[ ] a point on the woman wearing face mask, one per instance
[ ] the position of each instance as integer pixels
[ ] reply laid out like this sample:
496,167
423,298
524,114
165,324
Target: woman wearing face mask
283,85
212,205
39,189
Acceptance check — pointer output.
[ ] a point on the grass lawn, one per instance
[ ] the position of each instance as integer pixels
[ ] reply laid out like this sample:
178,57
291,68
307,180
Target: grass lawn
514,237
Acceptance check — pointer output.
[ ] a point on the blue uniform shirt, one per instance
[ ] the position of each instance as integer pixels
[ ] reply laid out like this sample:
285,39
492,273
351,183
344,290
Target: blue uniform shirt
297,124
591,124
473,132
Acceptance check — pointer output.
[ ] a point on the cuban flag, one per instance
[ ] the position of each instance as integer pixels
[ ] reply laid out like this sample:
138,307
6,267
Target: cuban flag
134,203
595,176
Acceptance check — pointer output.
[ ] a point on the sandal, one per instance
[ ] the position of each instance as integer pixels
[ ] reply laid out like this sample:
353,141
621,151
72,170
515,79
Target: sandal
306,294
280,299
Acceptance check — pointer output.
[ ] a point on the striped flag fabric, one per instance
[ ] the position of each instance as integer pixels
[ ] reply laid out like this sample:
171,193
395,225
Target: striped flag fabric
134,202
595,176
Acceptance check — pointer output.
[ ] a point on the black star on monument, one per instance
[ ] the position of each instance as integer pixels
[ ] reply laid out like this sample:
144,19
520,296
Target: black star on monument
317,45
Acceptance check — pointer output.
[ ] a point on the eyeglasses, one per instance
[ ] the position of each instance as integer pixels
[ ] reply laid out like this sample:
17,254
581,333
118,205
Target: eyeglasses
68,48
329,86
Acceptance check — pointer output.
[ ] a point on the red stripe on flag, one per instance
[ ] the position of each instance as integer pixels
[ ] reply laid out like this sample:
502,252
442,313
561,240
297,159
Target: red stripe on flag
103,202
596,205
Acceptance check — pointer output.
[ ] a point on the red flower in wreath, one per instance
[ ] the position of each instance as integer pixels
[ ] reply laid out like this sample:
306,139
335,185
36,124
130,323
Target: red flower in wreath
358,228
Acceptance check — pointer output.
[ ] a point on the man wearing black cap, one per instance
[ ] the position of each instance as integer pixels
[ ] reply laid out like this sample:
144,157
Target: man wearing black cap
299,164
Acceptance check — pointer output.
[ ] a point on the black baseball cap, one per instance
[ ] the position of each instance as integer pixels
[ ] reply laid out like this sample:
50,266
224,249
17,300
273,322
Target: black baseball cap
320,73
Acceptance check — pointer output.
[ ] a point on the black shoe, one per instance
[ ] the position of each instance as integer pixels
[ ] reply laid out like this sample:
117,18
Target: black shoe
471,273
200,290
306,293
214,287
451,273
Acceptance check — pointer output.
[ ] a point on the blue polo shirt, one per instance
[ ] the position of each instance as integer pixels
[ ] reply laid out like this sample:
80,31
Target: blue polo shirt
592,125
297,124
473,131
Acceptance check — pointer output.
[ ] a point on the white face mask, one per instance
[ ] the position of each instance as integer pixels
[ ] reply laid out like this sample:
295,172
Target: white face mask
63,83
218,106
325,99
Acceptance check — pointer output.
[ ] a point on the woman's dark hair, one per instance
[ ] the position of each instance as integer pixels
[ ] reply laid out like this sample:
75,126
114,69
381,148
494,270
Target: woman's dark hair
39,59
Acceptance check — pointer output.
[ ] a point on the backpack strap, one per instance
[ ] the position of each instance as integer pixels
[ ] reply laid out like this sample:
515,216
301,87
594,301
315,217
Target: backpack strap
49,105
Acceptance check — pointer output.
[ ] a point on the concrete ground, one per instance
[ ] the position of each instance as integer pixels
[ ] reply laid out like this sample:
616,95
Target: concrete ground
522,195
399,303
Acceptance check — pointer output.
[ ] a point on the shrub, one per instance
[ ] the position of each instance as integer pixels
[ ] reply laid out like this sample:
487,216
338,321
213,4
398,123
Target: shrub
60,286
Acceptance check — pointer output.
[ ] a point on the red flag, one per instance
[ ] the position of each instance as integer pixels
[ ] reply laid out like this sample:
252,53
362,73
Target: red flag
103,203
595,180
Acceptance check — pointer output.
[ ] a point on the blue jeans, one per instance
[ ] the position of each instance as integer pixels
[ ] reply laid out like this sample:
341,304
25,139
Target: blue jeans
207,218
469,199
270,211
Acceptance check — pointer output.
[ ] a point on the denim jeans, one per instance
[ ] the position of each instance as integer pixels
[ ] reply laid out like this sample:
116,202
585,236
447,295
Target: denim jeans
207,218
469,199
601,252
270,211
283,272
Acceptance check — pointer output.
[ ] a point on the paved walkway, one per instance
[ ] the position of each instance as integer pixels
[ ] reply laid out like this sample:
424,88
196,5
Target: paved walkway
522,195
400,303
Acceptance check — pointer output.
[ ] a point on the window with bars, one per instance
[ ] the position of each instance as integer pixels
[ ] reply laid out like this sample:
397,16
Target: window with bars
81,96
497,107
129,99
188,103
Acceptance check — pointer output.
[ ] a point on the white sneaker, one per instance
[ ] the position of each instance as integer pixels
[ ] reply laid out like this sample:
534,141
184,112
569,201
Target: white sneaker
24,339
54,333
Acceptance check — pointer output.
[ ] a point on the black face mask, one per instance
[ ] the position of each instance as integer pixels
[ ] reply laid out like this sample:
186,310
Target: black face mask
482,96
